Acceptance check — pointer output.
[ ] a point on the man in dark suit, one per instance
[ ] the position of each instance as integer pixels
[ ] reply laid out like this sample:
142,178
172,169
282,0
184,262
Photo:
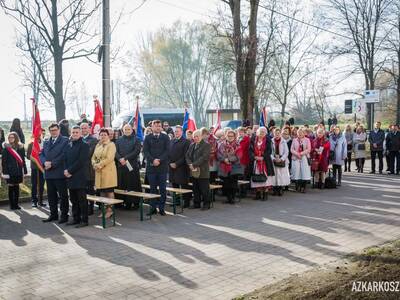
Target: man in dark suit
197,157
178,168
76,172
393,146
155,150
92,142
53,157
376,139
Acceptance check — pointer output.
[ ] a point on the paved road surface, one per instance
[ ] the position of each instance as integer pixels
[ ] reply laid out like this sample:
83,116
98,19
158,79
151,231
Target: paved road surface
217,254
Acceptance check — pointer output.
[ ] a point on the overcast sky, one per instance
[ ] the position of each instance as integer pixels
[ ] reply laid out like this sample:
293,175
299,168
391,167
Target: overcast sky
151,16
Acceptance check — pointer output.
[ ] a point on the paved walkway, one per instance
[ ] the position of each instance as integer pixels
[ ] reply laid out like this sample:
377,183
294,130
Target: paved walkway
217,254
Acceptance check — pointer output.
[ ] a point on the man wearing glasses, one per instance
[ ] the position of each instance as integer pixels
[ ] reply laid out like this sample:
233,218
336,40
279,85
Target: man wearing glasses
52,158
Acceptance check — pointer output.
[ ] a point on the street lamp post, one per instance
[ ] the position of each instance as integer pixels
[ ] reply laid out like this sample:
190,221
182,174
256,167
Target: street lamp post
106,82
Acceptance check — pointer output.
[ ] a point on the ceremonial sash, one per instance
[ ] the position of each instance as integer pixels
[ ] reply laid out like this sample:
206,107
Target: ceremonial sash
16,156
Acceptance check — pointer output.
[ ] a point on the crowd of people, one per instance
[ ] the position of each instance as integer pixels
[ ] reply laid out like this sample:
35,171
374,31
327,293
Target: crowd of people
77,163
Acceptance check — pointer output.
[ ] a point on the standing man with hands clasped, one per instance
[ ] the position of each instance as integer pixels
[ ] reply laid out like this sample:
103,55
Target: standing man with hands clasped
376,139
52,158
155,149
76,172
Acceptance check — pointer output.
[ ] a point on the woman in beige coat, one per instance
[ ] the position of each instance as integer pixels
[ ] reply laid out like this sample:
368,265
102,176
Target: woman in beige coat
103,162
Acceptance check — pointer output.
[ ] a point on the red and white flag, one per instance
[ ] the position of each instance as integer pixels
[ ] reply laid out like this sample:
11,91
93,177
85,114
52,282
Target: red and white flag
97,123
36,134
217,126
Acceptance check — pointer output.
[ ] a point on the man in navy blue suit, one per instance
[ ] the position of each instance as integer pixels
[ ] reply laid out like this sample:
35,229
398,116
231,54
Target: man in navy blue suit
52,158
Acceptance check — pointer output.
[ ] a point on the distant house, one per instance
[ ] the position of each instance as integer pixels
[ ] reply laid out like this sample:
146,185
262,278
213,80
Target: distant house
226,115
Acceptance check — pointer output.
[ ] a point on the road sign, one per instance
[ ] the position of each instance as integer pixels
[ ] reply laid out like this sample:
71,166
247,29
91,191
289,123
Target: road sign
371,96
359,106
348,106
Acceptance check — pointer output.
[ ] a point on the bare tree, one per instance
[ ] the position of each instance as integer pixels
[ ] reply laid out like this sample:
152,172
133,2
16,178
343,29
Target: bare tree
244,42
64,27
392,45
363,22
292,58
28,69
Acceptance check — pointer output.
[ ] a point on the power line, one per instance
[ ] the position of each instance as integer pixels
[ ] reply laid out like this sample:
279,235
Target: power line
303,22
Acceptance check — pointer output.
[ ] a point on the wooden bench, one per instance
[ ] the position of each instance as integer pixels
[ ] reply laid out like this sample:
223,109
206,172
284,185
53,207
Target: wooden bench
105,201
142,197
176,196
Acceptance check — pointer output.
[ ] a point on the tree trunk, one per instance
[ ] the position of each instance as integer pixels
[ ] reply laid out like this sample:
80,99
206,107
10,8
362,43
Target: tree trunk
58,61
398,98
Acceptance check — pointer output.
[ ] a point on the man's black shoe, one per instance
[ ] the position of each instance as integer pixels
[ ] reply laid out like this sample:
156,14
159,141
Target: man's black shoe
81,225
49,219
70,223
206,207
63,220
372,172
380,172
34,204
162,212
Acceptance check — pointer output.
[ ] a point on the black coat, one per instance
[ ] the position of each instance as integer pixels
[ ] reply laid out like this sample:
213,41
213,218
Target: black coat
92,142
177,153
128,147
199,158
76,162
55,153
267,156
393,141
9,163
156,148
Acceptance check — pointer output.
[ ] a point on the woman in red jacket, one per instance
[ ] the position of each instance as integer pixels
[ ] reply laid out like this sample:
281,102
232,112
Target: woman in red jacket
244,142
320,155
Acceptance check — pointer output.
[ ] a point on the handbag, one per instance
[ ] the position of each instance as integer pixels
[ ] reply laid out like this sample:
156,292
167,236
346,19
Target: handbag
361,147
279,164
258,178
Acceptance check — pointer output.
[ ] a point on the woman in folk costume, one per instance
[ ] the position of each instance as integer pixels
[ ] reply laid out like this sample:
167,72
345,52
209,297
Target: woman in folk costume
244,142
280,153
229,165
260,160
213,162
14,167
301,170
320,157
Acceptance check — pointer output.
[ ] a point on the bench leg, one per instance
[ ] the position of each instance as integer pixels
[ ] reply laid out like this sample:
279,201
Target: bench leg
141,208
174,203
103,214
113,210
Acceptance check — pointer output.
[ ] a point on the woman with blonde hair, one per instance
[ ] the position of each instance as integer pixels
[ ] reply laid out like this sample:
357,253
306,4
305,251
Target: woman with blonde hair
301,170
13,167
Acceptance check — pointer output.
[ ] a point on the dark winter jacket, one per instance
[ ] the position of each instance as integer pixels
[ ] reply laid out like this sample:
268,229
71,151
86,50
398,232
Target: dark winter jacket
9,164
55,153
376,138
156,148
128,147
199,157
76,162
177,155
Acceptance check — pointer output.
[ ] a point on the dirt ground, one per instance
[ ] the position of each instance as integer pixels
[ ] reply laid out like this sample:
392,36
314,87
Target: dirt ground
380,263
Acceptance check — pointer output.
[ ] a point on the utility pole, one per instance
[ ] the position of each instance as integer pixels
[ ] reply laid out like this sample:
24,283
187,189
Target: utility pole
106,63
